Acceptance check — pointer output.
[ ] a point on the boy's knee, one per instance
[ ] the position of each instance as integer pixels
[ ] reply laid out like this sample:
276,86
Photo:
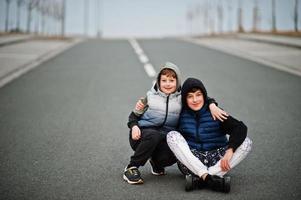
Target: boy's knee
152,135
172,137
247,145
154,138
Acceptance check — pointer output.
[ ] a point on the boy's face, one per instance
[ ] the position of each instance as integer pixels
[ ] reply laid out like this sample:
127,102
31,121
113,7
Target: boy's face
168,84
195,100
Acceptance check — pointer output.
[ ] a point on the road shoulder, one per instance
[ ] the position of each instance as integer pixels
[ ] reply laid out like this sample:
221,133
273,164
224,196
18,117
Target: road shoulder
280,57
19,58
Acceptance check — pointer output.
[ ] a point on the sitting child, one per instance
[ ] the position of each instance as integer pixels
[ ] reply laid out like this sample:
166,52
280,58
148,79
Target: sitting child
204,153
149,125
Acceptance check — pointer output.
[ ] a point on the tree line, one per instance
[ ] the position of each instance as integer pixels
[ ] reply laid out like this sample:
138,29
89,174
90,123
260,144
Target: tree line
212,15
46,12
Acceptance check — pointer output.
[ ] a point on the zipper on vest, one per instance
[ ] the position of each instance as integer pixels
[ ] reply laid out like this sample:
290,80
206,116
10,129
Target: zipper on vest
167,101
198,139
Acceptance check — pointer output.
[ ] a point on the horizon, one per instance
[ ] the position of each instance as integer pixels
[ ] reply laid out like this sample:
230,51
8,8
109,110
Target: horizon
144,18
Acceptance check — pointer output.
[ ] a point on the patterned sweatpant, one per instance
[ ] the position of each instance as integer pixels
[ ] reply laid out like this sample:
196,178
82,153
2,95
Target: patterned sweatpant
199,163
208,158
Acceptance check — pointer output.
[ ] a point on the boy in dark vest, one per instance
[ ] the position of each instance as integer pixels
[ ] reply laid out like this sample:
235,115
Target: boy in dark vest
203,151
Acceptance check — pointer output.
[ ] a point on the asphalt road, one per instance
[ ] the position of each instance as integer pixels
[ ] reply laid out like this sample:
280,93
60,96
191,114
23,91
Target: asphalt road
63,132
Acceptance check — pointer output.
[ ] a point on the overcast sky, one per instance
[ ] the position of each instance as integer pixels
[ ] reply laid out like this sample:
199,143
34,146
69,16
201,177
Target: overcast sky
169,17
149,18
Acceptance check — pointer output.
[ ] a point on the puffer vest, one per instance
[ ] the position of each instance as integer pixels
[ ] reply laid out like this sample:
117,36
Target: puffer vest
163,110
200,130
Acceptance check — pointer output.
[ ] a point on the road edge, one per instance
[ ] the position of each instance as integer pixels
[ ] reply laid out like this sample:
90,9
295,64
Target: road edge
248,57
23,69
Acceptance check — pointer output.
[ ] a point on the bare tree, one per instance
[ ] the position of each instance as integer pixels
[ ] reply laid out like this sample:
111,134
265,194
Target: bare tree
86,16
47,9
296,16
37,17
100,17
43,10
63,17
56,14
7,15
240,27
189,17
30,6
211,18
255,15
206,16
229,15
274,29
97,16
197,12
19,4
59,7
220,16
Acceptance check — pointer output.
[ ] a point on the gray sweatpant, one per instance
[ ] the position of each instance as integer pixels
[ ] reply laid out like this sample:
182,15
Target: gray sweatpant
180,148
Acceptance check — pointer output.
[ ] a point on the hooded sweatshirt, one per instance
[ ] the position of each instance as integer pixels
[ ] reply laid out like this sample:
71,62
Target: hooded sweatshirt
162,110
198,127
201,131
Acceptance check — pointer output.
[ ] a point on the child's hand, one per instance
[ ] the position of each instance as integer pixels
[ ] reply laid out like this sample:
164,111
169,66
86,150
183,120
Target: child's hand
139,105
136,133
225,161
217,113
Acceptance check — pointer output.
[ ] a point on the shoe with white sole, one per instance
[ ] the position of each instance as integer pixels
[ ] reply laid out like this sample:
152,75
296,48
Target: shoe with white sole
132,175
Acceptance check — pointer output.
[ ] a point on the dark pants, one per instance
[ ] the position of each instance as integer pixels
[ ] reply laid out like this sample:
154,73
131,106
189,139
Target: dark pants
152,144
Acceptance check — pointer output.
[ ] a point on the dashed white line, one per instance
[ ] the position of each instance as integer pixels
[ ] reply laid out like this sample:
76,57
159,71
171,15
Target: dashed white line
143,59
149,69
139,51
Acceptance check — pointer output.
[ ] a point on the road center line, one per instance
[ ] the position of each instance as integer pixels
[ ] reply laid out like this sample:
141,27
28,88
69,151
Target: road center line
148,67
149,70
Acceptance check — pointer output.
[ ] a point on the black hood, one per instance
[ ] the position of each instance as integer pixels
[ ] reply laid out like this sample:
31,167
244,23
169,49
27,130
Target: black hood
187,87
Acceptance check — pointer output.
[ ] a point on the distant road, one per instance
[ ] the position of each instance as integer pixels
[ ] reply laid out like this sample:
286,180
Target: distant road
63,132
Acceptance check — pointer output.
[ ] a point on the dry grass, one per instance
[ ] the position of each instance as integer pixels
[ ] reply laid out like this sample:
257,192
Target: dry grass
40,37
284,33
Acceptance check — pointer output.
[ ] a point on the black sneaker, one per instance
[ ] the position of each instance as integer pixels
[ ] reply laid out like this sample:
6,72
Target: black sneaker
193,182
217,183
132,175
227,183
157,171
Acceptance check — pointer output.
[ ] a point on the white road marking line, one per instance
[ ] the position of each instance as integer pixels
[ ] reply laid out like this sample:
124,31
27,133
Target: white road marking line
149,69
139,51
143,59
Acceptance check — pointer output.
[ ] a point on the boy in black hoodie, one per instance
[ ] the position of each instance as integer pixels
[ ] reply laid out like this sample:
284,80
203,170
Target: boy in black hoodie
204,153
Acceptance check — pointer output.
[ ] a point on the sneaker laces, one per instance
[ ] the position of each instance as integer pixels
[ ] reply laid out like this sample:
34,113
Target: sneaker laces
134,171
